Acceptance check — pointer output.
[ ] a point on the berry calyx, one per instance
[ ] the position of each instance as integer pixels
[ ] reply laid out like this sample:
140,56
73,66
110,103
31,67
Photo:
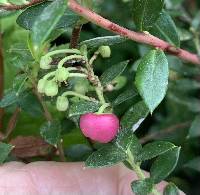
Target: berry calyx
62,74
62,103
99,127
41,85
51,88
105,51
45,62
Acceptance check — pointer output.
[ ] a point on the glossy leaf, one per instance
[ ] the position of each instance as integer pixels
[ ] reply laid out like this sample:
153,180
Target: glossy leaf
111,73
152,78
26,18
135,116
142,187
51,131
127,141
29,103
5,149
46,21
164,165
107,40
165,29
126,95
194,130
9,99
82,107
106,156
171,189
146,12
151,150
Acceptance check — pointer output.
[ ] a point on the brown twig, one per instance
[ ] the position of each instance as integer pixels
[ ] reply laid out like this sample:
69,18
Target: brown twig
12,123
75,36
48,117
164,132
12,7
1,80
140,37
47,114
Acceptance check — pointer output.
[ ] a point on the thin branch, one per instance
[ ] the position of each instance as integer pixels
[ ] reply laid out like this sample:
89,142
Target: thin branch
1,80
12,123
47,114
145,38
75,36
164,132
48,117
12,7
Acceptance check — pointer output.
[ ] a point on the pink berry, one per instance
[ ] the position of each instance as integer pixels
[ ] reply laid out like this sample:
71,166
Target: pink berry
99,127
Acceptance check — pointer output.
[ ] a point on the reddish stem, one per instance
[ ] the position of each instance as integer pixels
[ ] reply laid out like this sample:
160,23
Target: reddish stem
135,36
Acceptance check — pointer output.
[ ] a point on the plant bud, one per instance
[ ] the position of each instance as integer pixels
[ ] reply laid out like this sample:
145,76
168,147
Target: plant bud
51,88
62,103
105,51
62,74
41,85
45,62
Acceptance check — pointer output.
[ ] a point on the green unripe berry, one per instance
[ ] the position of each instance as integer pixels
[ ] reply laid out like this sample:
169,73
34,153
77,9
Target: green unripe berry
62,103
81,86
41,85
51,88
62,74
105,51
45,62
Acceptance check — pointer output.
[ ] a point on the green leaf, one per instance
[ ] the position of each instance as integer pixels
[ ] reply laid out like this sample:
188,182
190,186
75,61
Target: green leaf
135,116
194,130
152,78
27,18
46,21
171,189
126,140
30,104
51,131
126,95
164,164
165,29
194,164
19,83
107,156
151,150
9,99
142,187
146,12
5,149
111,73
82,107
107,40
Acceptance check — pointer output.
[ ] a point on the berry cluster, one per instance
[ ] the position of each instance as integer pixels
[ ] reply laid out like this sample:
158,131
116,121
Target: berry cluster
100,126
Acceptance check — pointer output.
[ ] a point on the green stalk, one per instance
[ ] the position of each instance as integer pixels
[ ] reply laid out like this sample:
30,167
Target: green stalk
138,170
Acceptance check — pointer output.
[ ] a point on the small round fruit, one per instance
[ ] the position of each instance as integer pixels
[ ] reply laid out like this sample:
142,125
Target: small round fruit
45,62
99,127
41,85
62,103
62,74
105,51
51,88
